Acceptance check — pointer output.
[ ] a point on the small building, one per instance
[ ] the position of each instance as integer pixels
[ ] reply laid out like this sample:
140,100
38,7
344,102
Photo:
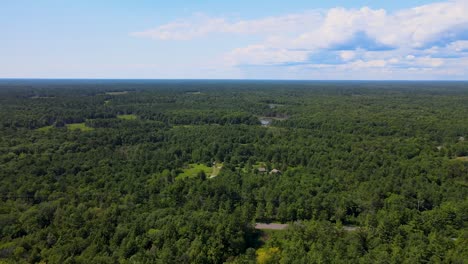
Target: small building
262,170
275,171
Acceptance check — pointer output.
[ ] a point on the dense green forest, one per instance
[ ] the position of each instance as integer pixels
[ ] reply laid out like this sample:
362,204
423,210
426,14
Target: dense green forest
127,171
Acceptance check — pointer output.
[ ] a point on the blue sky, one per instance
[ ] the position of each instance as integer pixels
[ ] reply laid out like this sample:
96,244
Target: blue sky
383,40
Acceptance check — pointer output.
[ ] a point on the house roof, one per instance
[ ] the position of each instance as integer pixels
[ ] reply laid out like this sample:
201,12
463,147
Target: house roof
275,171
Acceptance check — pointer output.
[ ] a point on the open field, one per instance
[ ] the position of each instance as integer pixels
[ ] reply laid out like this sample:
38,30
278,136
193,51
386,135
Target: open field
193,169
79,126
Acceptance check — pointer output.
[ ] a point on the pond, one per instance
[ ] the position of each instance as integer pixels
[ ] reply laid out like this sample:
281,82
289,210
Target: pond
265,121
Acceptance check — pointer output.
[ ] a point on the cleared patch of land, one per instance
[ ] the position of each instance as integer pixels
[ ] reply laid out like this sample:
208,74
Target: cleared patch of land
127,117
271,226
79,126
117,93
216,169
193,169
463,158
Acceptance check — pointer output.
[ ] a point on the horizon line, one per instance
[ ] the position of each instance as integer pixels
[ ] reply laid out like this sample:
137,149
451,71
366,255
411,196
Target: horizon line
238,79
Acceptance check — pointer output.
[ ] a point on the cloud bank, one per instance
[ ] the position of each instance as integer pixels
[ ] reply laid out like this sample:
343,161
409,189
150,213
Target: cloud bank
429,40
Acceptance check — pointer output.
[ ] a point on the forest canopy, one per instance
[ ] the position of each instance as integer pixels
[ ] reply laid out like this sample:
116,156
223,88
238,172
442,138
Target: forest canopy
129,171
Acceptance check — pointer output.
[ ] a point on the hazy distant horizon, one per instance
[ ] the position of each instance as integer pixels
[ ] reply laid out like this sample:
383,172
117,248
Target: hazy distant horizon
207,79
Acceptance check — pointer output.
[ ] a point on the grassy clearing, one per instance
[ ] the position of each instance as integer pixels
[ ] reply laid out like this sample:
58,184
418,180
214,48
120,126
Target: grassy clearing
193,169
79,126
127,117
44,129
463,158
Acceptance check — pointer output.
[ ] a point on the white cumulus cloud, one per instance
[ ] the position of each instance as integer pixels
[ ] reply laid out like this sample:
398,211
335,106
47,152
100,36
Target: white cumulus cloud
432,36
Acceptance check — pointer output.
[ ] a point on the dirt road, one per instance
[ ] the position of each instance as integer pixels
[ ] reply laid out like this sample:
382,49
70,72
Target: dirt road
271,226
